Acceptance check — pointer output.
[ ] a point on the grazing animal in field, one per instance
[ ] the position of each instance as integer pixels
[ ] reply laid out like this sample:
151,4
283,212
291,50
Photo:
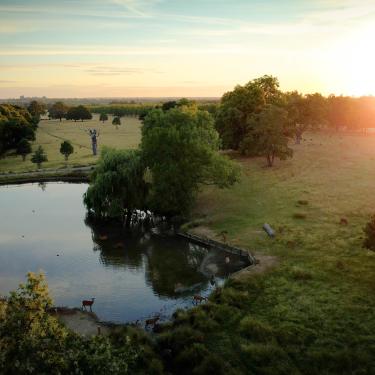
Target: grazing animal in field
89,303
152,321
199,299
344,221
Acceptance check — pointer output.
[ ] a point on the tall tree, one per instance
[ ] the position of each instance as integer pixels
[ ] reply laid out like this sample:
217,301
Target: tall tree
180,147
36,109
239,105
269,134
118,186
78,113
58,110
24,148
16,123
305,111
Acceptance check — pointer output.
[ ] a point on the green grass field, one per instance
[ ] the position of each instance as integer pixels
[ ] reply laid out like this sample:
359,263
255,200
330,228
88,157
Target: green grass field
314,312
51,133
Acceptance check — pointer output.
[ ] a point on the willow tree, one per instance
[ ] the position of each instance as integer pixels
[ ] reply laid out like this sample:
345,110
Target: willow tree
180,148
118,186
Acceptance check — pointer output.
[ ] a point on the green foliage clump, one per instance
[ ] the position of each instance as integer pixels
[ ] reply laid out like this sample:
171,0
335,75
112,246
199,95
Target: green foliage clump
16,123
32,341
299,215
58,110
36,109
78,113
255,329
24,148
369,230
103,117
118,186
66,149
267,134
39,157
116,121
180,147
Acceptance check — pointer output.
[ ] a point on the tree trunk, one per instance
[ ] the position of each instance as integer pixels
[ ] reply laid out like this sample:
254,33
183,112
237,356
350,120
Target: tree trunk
66,157
23,157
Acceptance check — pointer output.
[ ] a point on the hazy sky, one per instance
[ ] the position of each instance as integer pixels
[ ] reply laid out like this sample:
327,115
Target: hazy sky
97,48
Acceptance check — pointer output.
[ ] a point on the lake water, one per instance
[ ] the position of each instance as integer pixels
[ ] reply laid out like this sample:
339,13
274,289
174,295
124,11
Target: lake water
132,275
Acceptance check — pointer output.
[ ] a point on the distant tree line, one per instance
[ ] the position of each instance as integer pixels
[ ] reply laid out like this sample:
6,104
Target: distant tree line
259,119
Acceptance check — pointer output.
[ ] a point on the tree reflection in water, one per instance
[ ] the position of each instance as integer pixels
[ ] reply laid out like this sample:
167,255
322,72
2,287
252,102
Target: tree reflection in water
171,265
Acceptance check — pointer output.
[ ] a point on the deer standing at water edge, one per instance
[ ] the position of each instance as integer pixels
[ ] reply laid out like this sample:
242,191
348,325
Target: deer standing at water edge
88,303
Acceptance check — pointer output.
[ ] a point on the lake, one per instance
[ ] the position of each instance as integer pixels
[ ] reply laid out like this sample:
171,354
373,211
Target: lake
133,275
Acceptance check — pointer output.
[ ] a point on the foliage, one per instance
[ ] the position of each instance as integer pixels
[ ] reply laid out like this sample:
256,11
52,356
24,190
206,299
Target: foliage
36,109
116,121
32,341
267,134
78,113
24,148
238,106
66,149
16,123
121,110
103,117
39,157
58,111
118,186
309,111
369,230
180,148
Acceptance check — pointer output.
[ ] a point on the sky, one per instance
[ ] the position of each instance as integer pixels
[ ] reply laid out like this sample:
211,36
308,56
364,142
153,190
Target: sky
175,48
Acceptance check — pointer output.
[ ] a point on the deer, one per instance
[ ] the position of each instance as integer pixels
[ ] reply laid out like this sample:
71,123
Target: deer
199,299
88,303
152,321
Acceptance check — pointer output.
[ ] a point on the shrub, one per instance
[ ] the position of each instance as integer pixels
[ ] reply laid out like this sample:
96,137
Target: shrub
39,156
23,148
301,274
255,329
299,215
302,202
66,149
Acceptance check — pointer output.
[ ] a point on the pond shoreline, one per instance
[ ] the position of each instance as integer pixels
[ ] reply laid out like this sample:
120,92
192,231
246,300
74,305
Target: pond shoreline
68,174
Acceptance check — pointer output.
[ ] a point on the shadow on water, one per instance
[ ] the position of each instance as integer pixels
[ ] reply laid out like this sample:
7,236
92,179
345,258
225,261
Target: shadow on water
133,274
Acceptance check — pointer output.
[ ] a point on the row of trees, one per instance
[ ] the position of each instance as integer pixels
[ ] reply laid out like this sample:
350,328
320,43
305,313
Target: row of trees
59,110
178,154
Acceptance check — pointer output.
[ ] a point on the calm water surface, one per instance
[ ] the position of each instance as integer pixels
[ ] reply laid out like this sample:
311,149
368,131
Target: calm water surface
131,275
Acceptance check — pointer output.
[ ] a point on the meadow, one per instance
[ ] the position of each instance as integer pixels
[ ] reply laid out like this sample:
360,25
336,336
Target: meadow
313,313
51,133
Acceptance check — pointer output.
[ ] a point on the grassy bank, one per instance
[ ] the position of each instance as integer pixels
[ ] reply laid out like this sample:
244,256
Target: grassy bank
51,133
313,313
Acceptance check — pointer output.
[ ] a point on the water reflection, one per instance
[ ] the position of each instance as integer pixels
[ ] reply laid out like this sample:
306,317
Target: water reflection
132,274
171,265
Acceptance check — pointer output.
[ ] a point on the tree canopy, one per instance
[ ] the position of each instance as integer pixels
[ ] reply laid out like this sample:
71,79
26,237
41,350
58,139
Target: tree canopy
16,123
78,113
180,147
58,110
118,186
269,134
103,117
24,148
36,109
237,107
39,157
66,149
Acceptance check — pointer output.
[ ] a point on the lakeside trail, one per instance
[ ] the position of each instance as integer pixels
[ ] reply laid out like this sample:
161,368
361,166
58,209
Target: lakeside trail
67,174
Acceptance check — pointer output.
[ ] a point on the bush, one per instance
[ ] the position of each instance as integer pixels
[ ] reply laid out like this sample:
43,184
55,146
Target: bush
39,156
23,148
255,330
369,230
299,215
301,274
